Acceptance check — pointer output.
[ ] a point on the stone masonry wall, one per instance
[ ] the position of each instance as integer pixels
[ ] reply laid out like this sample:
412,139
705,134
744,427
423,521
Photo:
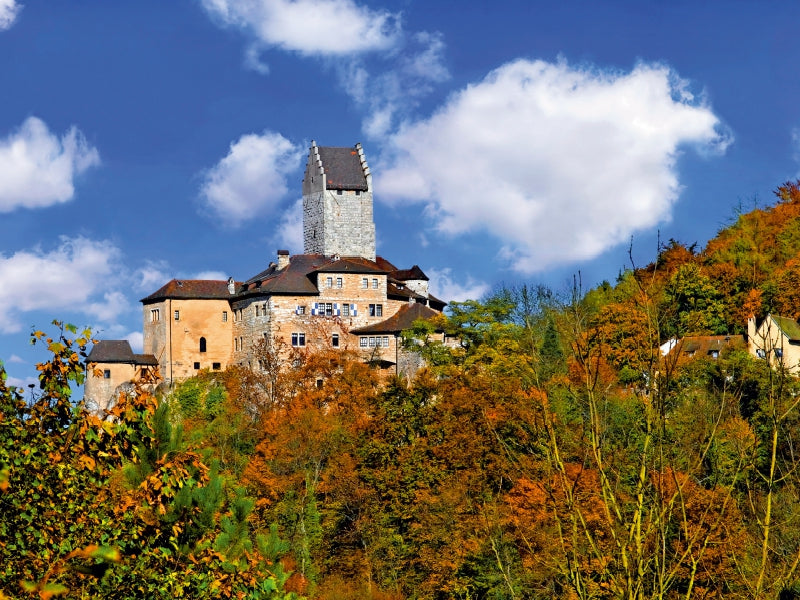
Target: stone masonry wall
179,339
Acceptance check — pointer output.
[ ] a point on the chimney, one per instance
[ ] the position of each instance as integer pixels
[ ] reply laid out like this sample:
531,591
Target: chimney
283,259
751,329
231,286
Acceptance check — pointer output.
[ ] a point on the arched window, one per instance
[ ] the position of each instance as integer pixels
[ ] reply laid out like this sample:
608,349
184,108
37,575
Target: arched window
202,344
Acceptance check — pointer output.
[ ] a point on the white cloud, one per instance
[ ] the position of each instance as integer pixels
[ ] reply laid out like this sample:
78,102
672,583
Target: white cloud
23,383
107,310
38,169
151,277
16,359
213,275
796,145
443,286
558,162
9,10
289,234
309,27
66,278
349,34
136,340
400,86
251,180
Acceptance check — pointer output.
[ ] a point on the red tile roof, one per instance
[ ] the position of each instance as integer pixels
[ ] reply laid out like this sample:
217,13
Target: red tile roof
402,319
199,289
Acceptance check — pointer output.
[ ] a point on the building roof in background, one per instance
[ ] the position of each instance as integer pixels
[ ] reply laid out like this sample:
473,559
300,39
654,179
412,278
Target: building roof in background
790,327
414,273
707,345
402,319
118,351
343,170
292,279
191,289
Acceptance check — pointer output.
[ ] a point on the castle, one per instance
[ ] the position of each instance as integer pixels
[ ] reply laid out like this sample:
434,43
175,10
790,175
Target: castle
338,294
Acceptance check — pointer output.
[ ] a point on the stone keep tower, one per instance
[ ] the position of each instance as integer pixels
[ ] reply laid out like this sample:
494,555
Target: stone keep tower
337,203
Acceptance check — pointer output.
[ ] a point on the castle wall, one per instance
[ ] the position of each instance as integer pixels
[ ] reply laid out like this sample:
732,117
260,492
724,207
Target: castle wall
102,383
175,342
339,222
282,316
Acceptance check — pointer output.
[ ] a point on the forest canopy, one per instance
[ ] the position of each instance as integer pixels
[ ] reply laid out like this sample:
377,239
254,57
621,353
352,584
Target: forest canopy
557,452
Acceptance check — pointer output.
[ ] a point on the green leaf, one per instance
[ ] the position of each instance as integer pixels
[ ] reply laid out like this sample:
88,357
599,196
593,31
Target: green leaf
53,589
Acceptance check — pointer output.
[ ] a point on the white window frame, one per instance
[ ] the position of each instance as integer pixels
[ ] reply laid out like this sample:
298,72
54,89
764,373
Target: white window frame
298,339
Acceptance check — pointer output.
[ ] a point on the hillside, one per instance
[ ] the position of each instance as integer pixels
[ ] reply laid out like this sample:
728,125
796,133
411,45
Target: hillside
555,453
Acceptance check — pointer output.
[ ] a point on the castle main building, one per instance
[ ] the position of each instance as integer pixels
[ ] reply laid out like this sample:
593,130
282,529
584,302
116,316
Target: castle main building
338,294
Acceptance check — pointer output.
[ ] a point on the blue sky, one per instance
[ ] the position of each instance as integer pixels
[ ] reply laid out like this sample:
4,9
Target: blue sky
512,141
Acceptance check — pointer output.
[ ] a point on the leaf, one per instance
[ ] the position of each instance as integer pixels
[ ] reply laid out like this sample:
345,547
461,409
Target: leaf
53,589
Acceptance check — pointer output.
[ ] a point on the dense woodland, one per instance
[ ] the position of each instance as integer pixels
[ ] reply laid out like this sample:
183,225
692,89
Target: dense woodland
555,454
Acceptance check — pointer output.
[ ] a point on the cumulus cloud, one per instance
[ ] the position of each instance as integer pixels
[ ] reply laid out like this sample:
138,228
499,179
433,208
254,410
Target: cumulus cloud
107,310
136,340
9,10
67,278
37,168
558,162
251,180
23,383
151,276
289,234
445,287
309,27
383,68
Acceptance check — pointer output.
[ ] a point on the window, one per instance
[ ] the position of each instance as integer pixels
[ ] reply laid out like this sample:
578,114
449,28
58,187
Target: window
298,340
335,340
300,310
329,282
362,342
202,344
236,344
371,342
216,366
258,310
386,341
374,283
107,374
376,310
177,315
345,310
327,309
339,282
155,315
714,354
338,192
364,283
760,353
778,353
358,192
197,366
224,316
